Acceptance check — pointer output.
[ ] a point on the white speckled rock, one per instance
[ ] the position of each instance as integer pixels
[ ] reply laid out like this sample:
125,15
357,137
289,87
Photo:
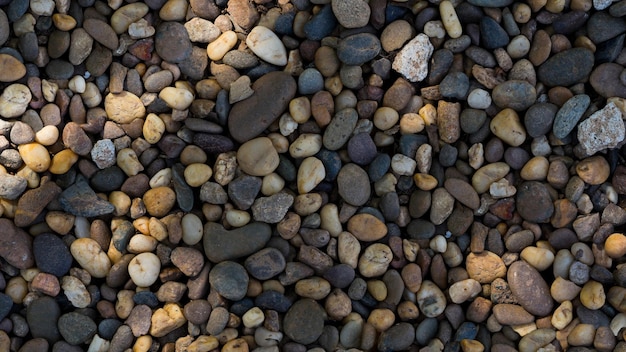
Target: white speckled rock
604,129
412,60
267,46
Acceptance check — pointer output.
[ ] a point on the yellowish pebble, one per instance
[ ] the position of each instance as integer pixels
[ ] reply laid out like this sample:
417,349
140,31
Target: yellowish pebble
63,161
35,156
197,174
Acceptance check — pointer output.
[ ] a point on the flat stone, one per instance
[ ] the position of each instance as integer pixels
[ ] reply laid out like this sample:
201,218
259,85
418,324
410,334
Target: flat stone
265,264
533,202
80,200
16,245
601,27
353,184
358,49
570,113
172,42
52,255
76,328
254,112
304,321
220,244
101,32
33,201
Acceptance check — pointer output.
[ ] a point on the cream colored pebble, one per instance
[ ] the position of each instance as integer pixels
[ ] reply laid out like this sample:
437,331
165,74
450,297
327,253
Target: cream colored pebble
450,19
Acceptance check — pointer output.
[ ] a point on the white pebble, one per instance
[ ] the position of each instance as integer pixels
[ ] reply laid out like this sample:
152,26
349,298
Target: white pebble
161,178
82,227
192,229
403,165
267,46
307,144
77,84
540,146
144,269
237,218
287,124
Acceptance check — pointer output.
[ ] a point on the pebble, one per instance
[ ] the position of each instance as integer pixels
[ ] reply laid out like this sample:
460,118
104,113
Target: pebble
514,94
352,13
566,68
14,100
407,63
267,46
230,280
304,321
529,288
358,49
353,184
236,243
601,130
172,43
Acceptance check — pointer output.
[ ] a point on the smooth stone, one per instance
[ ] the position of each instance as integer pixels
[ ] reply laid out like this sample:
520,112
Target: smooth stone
14,100
52,255
366,227
123,107
310,81
91,257
33,201
265,264
258,157
398,337
455,85
566,68
605,80
529,288
353,184
277,87
220,244
310,174
462,192
230,280
569,114
351,13
492,35
321,24
76,328
267,46
12,186
16,246
273,300
304,321
42,315
430,299
340,129
362,148
101,32
358,49
172,43
601,27
534,202
539,118
507,126
514,94
13,69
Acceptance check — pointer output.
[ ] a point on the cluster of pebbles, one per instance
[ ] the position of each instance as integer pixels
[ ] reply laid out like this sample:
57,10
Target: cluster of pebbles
312,175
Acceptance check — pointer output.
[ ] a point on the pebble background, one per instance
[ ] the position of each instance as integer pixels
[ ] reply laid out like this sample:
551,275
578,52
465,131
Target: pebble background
312,175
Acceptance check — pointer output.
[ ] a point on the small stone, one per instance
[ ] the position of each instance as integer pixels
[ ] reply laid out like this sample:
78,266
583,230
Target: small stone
172,42
514,94
91,257
485,267
101,32
304,322
534,202
375,260
167,319
272,209
76,328
567,117
14,100
12,70
411,65
123,107
430,300
594,170
353,184
159,201
566,68
603,129
267,46
230,280
220,244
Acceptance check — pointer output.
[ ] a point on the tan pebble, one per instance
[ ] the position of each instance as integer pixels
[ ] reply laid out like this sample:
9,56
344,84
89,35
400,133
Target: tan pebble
75,291
197,174
47,136
450,19
173,10
142,344
280,142
375,260
193,154
367,227
315,288
45,283
124,16
411,123
128,161
396,34
581,335
412,276
153,128
615,245
141,243
592,295
92,98
60,222
272,184
349,248
144,269
90,257
464,290
218,48
300,109
159,201
485,267
176,98
161,178
338,304
63,22
381,319
307,144
468,345
563,290
258,157
167,319
307,204
253,318
448,124
237,218
377,289
512,314
16,288
157,229
536,169
330,222
12,68
35,156
540,258
488,174
123,107
236,345
562,315
430,299
408,310
310,174
536,339
385,118
425,182
594,170
62,161
507,126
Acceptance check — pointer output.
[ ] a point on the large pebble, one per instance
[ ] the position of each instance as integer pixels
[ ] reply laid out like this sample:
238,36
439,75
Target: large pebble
353,184
258,157
514,94
123,107
530,288
172,43
566,68
603,129
221,244
430,300
508,127
230,280
91,257
254,112
14,100
267,46
351,13
375,260
16,246
12,68
366,227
